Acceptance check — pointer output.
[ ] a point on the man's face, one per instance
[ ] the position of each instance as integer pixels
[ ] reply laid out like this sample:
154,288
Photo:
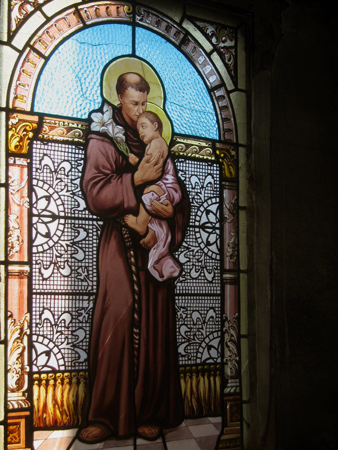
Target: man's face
133,104
147,130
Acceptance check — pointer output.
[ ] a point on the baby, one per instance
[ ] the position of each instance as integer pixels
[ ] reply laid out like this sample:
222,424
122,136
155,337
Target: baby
149,127
160,264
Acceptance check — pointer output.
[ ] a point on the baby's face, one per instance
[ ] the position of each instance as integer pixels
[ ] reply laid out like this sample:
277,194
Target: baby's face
146,129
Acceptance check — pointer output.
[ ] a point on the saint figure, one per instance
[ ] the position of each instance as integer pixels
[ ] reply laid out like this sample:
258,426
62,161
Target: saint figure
134,376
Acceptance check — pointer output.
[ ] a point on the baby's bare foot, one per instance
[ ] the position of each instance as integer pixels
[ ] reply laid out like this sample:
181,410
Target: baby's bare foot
133,159
150,240
133,223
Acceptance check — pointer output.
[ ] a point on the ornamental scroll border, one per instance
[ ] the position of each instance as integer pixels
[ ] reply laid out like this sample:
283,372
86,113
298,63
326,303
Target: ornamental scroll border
17,363
21,11
23,128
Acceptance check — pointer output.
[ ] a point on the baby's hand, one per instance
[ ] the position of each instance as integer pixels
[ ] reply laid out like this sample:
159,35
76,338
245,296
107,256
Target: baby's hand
133,159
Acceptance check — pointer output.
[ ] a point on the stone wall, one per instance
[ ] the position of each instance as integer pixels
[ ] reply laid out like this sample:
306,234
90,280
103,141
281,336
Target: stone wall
295,234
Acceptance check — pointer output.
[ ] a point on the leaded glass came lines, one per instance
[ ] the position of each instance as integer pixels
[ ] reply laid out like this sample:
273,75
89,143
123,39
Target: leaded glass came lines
199,254
75,90
65,262
78,63
200,274
57,172
57,56
188,103
64,238
198,329
202,182
61,330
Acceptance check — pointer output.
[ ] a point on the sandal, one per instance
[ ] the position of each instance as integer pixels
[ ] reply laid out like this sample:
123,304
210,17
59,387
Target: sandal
149,432
97,433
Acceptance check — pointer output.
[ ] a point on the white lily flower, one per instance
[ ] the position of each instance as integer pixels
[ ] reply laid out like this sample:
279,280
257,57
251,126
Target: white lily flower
107,127
101,122
118,133
97,123
104,124
107,112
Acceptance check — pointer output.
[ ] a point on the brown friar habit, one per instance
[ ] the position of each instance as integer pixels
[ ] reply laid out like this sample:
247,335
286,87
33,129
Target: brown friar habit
115,399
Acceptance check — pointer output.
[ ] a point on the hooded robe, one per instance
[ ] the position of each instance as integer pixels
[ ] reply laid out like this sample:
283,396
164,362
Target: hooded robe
128,391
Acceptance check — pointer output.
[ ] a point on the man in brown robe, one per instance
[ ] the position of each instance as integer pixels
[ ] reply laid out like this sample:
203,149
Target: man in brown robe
133,354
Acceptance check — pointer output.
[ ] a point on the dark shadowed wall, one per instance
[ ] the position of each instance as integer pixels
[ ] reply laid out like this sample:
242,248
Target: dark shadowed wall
294,82
304,205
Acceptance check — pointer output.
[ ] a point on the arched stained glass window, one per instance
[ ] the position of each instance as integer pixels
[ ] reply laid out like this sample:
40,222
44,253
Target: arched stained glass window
58,54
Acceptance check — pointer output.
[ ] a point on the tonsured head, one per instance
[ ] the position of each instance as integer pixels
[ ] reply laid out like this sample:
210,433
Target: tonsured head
132,90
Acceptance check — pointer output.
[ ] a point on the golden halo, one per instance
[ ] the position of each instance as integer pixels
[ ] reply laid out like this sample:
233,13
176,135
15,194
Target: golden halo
129,64
167,130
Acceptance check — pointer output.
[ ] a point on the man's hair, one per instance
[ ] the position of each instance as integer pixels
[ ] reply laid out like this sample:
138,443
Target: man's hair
153,118
122,84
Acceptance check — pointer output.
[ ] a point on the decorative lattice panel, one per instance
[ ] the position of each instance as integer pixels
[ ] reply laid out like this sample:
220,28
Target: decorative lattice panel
61,331
198,301
65,238
200,252
64,261
56,172
198,329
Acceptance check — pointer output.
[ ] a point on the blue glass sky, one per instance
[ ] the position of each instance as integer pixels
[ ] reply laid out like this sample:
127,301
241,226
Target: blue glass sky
70,81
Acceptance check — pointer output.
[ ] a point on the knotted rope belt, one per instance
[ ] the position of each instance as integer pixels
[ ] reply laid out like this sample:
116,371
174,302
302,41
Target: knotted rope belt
136,290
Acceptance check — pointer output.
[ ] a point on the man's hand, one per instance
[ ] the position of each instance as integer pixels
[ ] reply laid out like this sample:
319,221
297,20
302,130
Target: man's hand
150,169
165,210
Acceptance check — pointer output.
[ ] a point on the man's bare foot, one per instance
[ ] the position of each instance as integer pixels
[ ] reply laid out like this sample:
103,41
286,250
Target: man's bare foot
149,432
97,432
133,223
150,240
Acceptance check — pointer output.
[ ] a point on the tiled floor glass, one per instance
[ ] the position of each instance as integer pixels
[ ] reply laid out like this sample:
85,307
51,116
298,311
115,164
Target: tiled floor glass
193,434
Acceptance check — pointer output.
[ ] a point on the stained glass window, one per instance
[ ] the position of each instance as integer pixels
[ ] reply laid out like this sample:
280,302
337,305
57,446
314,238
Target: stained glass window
59,55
